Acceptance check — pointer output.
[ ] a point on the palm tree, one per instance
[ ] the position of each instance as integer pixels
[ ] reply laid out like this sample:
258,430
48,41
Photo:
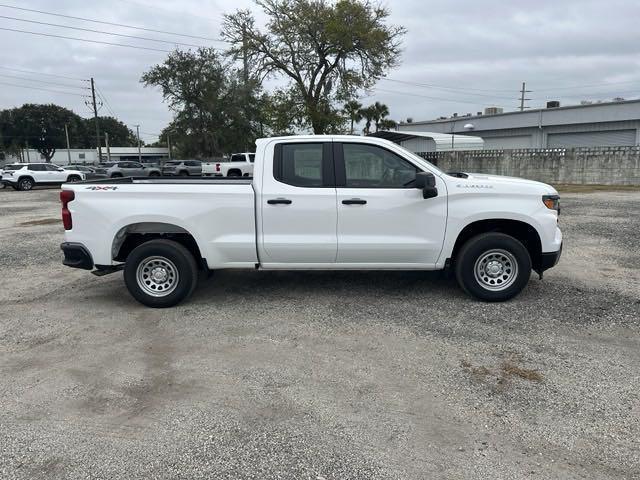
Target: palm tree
368,114
380,111
353,109
387,124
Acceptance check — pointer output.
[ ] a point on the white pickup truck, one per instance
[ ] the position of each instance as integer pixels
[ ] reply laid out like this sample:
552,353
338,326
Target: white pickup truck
239,165
315,202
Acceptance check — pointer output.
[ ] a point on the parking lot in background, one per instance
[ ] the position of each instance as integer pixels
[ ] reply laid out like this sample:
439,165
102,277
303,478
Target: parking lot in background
322,375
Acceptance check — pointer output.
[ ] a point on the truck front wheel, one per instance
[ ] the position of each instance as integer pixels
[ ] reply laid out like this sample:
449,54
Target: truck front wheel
493,267
160,273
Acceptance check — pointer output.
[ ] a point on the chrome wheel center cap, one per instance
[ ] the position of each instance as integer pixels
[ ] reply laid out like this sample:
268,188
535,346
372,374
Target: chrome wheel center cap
494,268
159,275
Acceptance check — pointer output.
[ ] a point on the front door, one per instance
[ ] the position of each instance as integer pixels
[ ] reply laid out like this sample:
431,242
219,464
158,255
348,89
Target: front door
298,205
383,219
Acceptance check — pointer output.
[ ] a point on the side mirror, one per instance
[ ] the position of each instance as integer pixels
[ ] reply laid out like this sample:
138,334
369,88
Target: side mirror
426,181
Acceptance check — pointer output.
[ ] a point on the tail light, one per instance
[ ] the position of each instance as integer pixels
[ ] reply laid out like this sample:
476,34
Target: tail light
65,197
217,167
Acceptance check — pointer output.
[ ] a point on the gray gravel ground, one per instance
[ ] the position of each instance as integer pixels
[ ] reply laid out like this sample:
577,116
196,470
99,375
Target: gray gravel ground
322,375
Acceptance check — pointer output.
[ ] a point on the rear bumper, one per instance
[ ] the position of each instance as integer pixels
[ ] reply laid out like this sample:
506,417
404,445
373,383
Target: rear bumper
76,255
550,259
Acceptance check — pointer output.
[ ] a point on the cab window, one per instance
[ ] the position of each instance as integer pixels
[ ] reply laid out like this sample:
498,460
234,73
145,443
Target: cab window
371,166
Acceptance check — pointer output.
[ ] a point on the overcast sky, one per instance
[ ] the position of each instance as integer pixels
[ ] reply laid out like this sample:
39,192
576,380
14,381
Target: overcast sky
468,54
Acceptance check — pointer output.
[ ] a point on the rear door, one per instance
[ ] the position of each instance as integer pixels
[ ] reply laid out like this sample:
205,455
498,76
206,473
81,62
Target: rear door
298,206
383,220
39,173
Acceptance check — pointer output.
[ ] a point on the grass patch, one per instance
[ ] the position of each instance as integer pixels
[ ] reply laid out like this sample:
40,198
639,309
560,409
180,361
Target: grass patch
42,221
564,188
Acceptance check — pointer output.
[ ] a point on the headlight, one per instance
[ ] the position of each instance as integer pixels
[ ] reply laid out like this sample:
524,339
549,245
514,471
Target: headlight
552,202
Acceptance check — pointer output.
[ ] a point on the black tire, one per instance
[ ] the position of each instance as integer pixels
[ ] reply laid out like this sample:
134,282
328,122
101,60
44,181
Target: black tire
179,258
184,173
26,183
73,178
508,259
234,173
154,174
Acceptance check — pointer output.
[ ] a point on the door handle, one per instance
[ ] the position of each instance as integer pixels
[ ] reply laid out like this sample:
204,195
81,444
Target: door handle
354,201
279,201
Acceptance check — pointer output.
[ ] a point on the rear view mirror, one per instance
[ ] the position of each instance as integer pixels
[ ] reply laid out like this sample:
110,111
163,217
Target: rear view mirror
427,182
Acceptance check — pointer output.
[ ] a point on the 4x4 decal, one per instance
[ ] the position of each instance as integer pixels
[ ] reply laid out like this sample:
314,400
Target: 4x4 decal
100,187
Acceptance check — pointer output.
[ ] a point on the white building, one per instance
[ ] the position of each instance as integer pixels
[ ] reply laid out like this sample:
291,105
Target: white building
62,156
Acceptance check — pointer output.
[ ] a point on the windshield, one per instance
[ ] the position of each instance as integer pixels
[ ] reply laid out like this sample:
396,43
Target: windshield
420,160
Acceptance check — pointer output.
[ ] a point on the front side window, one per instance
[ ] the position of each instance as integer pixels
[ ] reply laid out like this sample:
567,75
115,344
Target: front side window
52,168
370,166
252,157
300,164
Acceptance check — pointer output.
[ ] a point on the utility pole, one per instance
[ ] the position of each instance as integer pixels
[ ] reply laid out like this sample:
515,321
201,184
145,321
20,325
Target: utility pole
28,156
66,134
95,116
138,135
169,145
522,93
106,144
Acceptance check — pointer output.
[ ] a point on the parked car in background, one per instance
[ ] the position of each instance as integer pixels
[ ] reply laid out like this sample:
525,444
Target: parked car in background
92,173
25,176
239,165
128,168
183,168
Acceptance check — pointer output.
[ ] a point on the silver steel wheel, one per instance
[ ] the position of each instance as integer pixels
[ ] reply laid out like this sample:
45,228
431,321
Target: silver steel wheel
157,276
496,270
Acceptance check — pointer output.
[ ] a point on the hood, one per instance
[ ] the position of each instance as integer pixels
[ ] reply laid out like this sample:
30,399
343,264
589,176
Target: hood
500,180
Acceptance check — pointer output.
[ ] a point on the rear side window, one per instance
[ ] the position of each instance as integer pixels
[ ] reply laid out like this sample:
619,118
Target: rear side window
37,167
237,158
13,167
301,164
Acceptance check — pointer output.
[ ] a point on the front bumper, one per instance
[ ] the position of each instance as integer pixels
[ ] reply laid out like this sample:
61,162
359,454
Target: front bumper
550,259
76,255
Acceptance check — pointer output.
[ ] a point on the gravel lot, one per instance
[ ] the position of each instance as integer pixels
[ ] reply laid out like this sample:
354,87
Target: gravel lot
322,375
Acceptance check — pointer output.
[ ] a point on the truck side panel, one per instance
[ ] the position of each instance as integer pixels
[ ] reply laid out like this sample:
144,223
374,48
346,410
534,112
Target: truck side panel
220,217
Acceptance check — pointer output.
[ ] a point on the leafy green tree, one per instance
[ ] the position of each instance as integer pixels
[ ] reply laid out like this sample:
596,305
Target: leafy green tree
42,128
387,124
368,114
380,111
119,134
215,109
353,110
327,50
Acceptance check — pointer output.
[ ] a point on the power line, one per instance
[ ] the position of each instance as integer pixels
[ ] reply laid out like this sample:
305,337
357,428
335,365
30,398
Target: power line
442,87
43,89
44,81
102,32
110,23
426,96
586,86
85,40
42,73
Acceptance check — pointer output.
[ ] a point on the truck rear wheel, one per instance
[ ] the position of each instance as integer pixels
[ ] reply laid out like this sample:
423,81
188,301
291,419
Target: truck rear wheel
160,273
493,267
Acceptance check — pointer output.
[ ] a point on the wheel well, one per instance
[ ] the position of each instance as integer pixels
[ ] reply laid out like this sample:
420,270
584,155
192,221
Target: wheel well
521,231
73,175
134,235
234,170
22,177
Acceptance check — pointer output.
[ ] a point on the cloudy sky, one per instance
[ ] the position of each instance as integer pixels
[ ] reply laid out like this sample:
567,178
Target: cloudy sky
459,56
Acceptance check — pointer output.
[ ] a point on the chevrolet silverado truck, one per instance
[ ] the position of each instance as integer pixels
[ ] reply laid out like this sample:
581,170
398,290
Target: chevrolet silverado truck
315,202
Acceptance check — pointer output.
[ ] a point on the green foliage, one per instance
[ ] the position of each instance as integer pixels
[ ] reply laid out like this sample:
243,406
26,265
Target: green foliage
119,134
376,114
327,50
41,127
215,111
353,110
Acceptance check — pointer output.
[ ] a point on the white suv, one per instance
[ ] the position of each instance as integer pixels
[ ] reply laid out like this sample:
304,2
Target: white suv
25,176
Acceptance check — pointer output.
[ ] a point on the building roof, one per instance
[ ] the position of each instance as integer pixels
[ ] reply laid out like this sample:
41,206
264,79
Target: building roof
443,141
595,112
